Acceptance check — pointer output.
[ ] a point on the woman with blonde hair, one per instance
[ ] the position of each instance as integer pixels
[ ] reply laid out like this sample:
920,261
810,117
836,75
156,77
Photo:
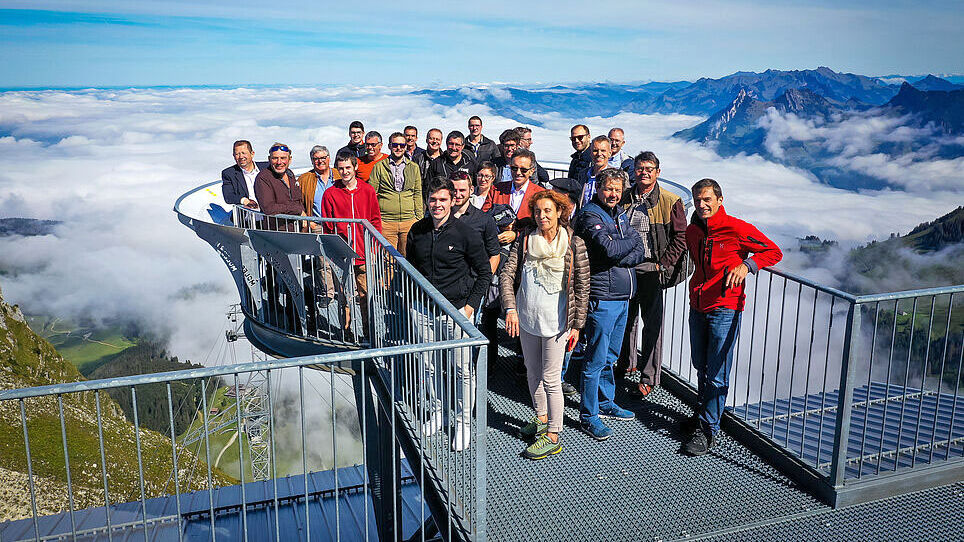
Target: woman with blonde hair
545,292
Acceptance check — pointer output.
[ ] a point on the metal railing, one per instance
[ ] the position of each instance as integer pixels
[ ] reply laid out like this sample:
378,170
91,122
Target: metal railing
415,385
850,388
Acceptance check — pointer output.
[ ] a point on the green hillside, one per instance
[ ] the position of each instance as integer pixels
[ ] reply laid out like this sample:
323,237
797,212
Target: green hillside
86,346
26,360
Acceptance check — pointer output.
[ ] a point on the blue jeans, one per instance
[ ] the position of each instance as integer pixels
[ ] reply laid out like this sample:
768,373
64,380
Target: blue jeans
605,325
712,336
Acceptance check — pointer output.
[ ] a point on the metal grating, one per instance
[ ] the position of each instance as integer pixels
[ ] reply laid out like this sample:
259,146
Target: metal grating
930,423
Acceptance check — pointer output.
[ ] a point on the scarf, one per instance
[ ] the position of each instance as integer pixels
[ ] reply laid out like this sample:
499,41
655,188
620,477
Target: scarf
548,259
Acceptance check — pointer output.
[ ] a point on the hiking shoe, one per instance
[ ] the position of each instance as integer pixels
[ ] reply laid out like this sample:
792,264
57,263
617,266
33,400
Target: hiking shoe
617,413
596,429
690,425
699,444
569,391
533,429
543,447
641,390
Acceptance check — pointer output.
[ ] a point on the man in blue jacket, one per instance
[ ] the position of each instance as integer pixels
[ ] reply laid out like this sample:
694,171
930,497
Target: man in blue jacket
614,249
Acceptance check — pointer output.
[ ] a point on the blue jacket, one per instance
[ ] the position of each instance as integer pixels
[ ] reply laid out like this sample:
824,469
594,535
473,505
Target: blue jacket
232,183
614,249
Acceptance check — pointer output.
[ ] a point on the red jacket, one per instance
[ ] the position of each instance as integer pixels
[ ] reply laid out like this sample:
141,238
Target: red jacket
718,245
365,167
501,193
339,202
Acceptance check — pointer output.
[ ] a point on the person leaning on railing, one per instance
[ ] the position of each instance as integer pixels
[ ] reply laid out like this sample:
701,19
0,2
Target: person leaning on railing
277,190
545,291
721,247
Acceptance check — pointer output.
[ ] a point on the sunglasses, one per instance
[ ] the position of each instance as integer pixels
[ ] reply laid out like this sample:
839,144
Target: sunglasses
282,148
520,169
578,137
397,145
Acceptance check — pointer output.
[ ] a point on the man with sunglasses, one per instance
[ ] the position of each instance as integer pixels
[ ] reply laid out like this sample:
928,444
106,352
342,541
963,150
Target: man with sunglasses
278,191
515,193
356,136
373,155
398,184
581,159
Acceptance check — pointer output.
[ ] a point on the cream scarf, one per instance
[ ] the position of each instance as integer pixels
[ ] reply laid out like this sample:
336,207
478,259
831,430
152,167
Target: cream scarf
548,259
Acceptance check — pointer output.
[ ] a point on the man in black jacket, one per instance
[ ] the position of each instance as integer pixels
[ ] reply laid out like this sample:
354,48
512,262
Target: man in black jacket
455,158
581,159
237,181
356,140
480,147
451,256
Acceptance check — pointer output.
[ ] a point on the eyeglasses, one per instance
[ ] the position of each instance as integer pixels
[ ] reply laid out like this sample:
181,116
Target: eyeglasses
282,148
486,177
520,169
646,169
320,158
396,145
356,132
373,144
578,137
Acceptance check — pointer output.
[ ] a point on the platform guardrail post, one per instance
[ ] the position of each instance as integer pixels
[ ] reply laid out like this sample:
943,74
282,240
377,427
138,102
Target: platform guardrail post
841,437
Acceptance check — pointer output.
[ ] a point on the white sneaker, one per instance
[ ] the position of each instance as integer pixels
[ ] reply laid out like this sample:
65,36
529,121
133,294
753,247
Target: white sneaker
462,437
433,424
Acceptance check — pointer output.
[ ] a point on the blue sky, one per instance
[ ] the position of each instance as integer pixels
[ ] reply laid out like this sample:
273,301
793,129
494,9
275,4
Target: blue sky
243,42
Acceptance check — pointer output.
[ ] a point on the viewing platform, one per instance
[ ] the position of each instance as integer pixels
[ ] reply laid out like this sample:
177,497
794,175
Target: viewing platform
845,418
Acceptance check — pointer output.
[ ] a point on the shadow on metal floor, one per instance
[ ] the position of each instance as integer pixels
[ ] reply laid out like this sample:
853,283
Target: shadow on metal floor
638,485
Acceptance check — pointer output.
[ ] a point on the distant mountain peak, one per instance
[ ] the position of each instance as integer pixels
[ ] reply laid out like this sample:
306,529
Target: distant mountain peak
932,82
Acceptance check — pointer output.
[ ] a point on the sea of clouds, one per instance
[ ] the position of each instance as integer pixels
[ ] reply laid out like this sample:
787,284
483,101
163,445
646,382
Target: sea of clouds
110,164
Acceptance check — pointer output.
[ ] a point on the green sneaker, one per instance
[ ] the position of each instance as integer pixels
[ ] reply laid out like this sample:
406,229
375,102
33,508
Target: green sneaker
533,429
543,447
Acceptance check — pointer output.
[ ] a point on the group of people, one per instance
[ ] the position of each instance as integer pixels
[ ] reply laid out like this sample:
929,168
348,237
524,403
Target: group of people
578,260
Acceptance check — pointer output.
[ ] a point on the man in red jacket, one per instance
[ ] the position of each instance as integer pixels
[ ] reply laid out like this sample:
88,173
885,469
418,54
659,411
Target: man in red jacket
721,248
349,198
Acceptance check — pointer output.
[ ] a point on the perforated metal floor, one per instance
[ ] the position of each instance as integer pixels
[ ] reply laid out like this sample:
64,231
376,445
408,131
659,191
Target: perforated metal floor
638,485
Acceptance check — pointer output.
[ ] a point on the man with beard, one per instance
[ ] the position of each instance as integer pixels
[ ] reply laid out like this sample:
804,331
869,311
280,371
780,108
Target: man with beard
455,158
398,184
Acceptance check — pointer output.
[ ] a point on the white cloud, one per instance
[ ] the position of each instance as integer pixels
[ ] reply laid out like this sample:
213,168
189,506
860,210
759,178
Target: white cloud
110,164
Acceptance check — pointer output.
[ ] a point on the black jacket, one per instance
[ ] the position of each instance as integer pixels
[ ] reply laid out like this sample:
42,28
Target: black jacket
452,259
580,161
443,166
484,225
357,150
614,249
488,150
424,161
232,183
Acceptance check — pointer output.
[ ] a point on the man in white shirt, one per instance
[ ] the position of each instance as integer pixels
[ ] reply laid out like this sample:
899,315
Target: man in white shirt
237,181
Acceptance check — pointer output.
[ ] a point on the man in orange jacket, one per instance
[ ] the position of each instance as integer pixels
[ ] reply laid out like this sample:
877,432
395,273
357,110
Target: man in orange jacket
721,247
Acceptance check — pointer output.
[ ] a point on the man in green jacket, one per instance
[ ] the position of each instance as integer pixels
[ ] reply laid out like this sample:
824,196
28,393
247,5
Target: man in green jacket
398,184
